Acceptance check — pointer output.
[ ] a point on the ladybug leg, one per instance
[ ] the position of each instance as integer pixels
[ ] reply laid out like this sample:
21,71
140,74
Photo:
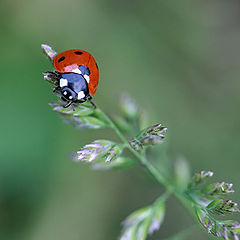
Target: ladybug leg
68,104
89,99
93,104
56,89
52,77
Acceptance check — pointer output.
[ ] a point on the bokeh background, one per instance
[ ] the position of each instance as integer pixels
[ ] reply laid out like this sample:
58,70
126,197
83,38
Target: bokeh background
179,59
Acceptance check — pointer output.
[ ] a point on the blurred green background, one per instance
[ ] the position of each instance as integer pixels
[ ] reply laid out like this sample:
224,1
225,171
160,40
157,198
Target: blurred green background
179,59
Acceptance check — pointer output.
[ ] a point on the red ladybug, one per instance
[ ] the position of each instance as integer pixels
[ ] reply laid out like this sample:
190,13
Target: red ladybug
70,61
76,76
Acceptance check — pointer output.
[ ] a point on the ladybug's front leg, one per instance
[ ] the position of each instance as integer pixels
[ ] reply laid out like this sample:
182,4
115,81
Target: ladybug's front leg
68,104
89,99
57,89
52,77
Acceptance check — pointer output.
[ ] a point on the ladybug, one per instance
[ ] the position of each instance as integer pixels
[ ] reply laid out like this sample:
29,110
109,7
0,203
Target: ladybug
76,74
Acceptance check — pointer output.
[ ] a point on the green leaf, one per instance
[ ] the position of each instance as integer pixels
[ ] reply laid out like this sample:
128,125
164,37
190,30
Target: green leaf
229,229
144,221
148,136
222,207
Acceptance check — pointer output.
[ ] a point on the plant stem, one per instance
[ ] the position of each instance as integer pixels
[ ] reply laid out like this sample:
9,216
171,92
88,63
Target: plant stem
159,177
182,197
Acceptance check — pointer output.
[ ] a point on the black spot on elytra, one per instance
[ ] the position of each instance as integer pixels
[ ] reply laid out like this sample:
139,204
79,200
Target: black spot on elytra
78,53
96,65
61,59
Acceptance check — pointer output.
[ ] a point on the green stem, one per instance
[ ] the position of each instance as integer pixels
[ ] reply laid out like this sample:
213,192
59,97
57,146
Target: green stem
164,197
155,172
160,178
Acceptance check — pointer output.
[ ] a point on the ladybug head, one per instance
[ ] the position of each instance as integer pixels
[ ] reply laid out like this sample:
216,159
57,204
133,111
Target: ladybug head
73,88
68,94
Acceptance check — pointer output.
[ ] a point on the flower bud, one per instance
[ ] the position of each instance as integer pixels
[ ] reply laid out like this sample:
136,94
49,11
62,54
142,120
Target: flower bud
48,51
